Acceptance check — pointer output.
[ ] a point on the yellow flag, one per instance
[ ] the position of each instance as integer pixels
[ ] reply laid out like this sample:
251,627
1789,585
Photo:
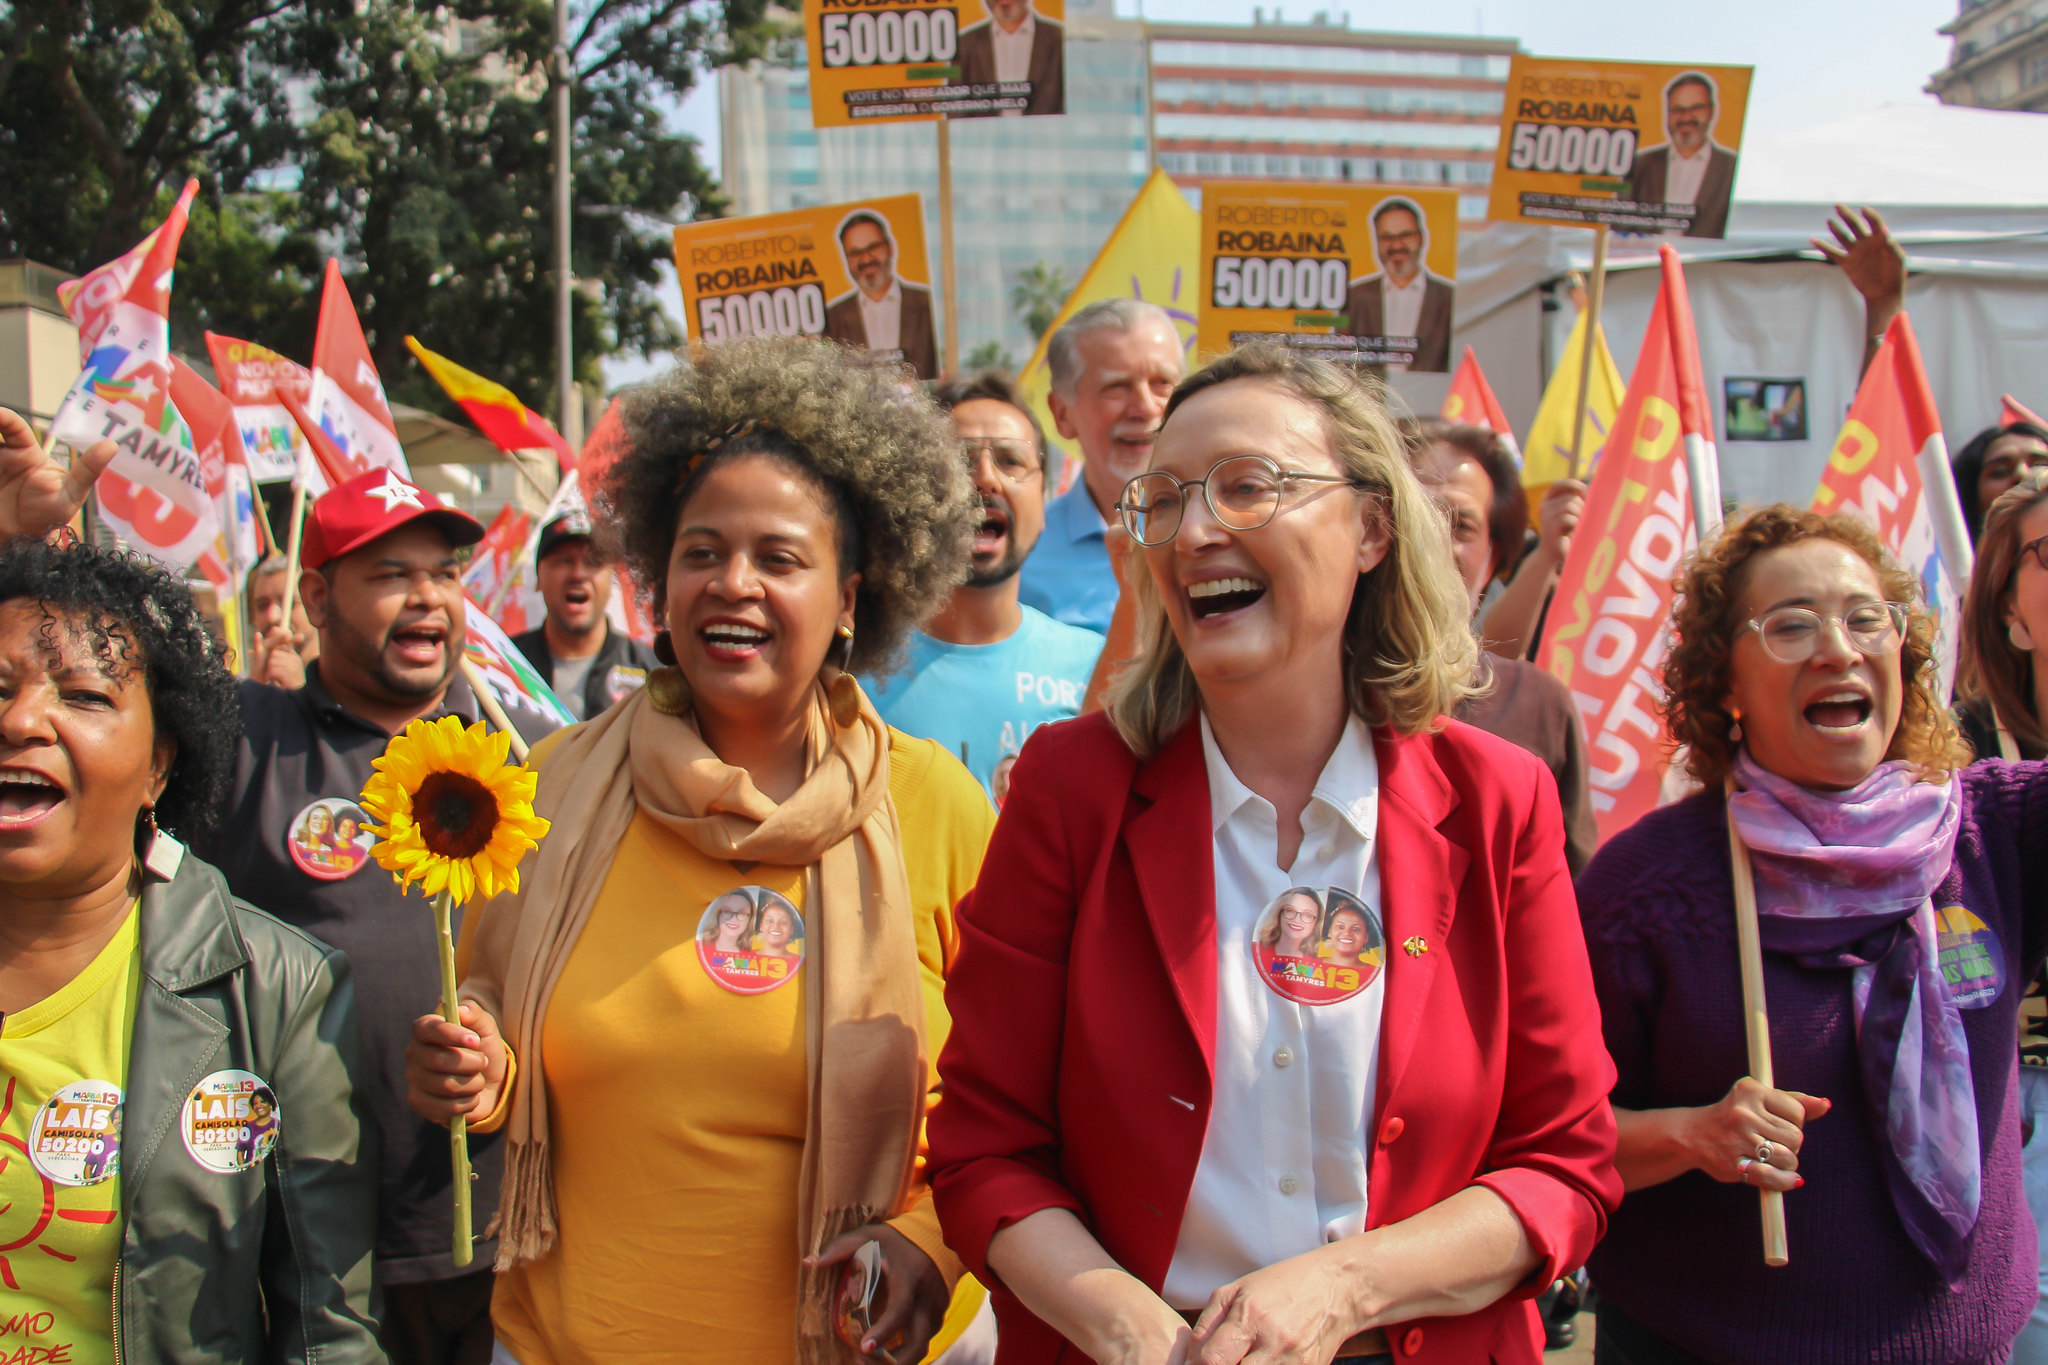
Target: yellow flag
1153,255
1547,454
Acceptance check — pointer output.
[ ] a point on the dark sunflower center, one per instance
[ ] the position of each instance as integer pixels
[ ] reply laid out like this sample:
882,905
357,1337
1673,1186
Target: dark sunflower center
456,814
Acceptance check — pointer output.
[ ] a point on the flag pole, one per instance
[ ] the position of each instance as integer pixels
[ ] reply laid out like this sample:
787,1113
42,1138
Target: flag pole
1593,293
493,712
294,537
948,295
1756,1019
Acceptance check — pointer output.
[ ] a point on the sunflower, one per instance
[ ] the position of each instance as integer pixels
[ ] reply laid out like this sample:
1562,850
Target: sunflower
452,815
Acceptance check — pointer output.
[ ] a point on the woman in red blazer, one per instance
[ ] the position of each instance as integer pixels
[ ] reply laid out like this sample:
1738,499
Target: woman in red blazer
1160,1140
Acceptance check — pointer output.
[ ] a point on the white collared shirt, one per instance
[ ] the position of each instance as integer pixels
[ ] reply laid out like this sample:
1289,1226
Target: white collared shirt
1683,175
1013,50
1283,1164
883,318
1401,306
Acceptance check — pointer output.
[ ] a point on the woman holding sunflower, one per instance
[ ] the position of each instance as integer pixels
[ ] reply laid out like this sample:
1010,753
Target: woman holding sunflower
691,1131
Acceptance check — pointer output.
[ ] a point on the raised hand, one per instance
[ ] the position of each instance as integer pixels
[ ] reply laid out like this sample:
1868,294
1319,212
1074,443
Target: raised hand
37,495
1870,257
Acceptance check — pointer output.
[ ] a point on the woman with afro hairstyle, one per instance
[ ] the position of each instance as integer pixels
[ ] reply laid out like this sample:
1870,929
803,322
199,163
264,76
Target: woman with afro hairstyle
695,1150
146,1011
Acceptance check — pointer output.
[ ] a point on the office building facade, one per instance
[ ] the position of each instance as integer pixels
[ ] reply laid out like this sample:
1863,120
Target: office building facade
1998,56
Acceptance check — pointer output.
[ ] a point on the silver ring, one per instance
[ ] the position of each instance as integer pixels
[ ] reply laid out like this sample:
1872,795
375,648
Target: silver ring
1742,1166
1763,1152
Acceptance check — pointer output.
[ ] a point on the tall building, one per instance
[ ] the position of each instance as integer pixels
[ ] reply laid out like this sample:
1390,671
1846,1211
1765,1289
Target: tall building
1268,100
1998,56
1318,101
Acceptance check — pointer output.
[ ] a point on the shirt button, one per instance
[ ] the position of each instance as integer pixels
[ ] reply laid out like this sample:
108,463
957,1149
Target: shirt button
1289,1185
1284,1058
1392,1128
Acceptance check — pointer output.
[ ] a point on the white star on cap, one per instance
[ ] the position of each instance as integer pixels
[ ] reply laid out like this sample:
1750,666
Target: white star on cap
395,490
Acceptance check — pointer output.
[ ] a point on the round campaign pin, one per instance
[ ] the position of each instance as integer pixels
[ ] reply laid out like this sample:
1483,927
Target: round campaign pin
751,940
1318,947
230,1121
1968,952
330,839
75,1138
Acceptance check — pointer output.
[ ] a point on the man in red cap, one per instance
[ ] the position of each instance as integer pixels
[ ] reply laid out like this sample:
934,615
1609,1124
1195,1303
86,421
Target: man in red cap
380,581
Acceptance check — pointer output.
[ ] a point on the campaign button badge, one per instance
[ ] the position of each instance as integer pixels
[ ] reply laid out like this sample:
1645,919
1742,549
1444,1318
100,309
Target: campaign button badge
231,1121
75,1138
1318,946
330,839
751,940
1969,954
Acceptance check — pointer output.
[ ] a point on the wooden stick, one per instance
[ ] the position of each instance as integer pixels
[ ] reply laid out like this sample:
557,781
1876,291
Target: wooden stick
1599,287
1756,1019
493,712
291,557
948,296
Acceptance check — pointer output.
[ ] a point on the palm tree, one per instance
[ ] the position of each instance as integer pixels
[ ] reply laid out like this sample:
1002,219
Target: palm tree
1040,290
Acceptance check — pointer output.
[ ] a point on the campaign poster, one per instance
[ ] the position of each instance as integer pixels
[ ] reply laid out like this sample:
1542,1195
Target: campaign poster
1365,274
1640,147
893,61
856,273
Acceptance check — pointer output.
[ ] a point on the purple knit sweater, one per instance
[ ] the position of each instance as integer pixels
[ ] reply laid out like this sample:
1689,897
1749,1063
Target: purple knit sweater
1685,1258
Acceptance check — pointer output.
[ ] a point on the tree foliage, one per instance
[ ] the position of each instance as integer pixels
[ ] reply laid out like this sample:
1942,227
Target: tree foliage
412,141
1040,290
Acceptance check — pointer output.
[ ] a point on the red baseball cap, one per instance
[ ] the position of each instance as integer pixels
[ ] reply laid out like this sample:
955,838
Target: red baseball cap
351,515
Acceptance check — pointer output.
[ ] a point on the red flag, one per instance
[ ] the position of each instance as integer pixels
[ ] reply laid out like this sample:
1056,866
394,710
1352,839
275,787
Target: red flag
330,463
1611,618
347,399
496,562
505,669
509,423
601,446
1890,467
1471,401
2011,409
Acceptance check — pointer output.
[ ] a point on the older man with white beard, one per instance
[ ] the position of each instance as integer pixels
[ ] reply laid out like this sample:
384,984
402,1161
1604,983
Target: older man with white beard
1114,364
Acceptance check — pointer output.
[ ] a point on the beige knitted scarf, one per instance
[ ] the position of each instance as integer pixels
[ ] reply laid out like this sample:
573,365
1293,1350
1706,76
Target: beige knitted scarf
866,1059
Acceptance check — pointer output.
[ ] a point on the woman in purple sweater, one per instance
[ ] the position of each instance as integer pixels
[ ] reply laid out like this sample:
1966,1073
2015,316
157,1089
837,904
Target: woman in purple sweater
1904,904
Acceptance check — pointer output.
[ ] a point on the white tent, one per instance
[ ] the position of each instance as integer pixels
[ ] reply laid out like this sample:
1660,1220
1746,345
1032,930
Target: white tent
1966,192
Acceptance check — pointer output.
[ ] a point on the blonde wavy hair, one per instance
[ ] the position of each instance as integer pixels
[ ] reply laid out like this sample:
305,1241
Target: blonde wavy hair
1409,653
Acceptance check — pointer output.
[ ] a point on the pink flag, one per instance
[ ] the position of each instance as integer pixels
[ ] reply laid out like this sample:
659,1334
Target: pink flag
347,398
1611,617
154,493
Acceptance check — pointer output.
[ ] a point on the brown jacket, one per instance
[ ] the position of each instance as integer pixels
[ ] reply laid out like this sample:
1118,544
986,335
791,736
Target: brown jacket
918,342
1047,72
1432,329
1646,186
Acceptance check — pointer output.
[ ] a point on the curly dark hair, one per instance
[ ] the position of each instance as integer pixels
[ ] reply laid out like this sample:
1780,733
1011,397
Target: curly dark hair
885,457
133,615
1698,671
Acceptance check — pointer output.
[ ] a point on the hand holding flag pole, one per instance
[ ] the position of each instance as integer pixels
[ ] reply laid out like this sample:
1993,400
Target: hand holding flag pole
1756,1019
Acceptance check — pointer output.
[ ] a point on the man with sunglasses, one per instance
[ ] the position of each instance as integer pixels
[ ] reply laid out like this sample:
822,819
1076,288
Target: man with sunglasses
988,670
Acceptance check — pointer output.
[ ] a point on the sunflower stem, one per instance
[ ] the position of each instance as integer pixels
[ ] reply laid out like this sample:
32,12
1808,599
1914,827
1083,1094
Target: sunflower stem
458,1129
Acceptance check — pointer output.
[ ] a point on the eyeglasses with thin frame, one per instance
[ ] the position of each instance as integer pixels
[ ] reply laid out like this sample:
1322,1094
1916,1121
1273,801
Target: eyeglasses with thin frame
1243,493
1014,461
1791,635
2034,548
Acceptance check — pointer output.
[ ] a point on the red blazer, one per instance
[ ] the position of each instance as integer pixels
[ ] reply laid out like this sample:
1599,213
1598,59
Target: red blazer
1078,1073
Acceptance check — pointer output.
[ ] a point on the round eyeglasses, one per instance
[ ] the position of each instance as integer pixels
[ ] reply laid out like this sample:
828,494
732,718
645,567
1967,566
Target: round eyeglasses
1014,461
1791,635
1243,493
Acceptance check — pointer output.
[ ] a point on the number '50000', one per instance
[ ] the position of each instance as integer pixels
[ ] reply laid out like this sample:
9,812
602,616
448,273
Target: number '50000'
784,312
1282,282
1572,149
891,37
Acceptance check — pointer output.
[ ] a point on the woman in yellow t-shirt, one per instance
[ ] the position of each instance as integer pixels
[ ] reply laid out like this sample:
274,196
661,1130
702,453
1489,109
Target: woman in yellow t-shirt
704,1129
175,1068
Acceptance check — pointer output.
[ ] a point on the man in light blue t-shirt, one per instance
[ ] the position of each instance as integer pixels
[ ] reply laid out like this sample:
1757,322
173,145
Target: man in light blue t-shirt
987,670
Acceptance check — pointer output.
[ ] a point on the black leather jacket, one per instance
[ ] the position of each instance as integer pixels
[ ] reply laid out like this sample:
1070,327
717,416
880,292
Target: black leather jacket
270,1264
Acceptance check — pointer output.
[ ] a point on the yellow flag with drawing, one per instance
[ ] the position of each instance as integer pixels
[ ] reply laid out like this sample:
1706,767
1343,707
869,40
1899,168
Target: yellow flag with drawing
1547,454
1153,254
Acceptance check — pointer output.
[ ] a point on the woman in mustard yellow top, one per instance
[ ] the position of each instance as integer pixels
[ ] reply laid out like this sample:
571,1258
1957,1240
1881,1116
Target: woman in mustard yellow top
701,1132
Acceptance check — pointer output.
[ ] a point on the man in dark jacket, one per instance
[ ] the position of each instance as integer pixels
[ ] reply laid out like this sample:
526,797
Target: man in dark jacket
382,587
575,650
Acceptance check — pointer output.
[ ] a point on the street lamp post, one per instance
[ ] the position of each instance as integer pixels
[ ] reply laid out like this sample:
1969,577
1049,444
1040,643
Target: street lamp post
568,402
